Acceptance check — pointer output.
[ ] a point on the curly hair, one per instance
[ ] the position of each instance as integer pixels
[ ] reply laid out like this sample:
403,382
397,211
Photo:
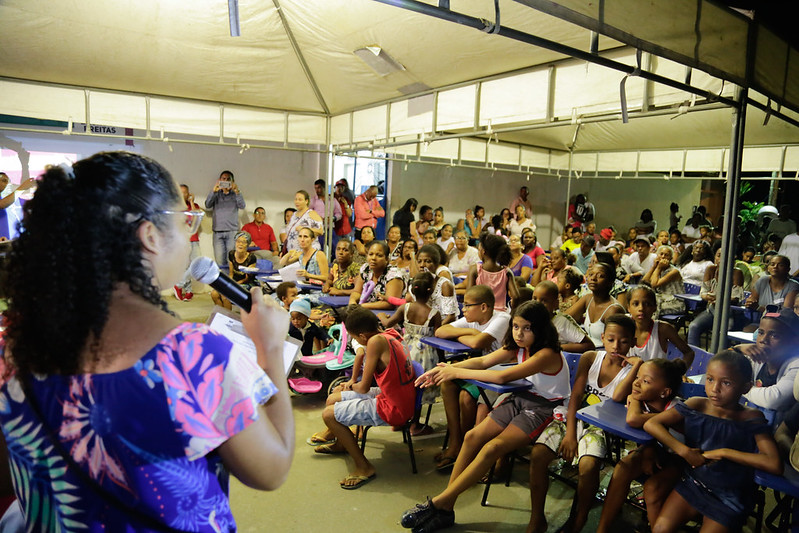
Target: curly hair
78,240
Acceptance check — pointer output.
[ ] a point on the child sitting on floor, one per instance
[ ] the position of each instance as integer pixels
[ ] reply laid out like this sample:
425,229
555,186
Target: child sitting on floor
533,343
390,403
724,443
419,320
653,392
601,375
653,336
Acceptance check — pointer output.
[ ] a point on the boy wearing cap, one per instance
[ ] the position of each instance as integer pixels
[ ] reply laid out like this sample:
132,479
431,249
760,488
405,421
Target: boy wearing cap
775,359
313,337
640,261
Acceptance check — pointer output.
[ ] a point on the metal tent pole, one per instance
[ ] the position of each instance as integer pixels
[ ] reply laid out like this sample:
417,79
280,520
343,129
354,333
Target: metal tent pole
724,287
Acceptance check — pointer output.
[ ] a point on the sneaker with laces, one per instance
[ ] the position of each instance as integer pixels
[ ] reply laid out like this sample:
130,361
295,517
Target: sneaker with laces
187,296
438,519
178,292
415,516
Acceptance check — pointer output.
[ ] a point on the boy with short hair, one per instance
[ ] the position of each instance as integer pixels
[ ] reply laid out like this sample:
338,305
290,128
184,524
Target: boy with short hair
572,338
391,403
481,327
601,376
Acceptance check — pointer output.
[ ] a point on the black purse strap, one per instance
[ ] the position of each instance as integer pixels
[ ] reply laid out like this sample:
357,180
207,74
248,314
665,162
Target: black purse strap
109,498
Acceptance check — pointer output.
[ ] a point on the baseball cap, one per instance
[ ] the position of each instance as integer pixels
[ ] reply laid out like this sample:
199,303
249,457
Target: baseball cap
783,315
300,305
341,182
606,233
641,238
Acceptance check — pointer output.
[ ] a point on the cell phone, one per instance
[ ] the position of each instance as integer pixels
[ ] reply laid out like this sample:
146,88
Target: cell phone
224,185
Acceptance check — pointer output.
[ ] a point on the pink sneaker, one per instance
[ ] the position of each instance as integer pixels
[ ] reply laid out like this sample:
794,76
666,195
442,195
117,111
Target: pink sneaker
187,296
178,293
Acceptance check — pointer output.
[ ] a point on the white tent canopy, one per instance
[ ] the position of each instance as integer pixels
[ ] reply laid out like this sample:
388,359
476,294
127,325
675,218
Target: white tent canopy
171,69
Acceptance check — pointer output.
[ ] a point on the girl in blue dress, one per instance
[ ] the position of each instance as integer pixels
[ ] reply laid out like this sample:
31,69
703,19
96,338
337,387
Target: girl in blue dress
724,443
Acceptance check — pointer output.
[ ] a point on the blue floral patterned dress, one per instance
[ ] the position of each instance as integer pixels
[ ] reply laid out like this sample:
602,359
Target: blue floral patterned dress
147,434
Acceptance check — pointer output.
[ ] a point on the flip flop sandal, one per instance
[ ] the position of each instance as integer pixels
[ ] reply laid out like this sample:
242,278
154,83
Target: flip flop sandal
327,449
445,463
361,481
313,440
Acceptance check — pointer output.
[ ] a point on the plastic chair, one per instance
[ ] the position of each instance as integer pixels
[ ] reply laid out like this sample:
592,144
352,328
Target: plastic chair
572,361
701,358
786,494
264,264
418,370
691,288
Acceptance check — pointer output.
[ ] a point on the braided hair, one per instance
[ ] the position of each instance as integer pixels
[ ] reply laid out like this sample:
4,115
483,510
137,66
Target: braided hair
78,241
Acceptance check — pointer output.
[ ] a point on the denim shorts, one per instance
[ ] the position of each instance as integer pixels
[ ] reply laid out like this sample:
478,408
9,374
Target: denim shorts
356,409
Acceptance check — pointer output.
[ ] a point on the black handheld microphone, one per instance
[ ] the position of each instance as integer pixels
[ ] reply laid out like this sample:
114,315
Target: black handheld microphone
205,270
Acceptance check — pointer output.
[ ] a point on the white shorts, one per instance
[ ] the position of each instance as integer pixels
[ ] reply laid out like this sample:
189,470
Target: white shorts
356,409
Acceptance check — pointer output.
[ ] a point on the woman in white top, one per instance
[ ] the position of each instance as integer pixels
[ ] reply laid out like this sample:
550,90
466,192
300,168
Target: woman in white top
463,256
521,221
693,270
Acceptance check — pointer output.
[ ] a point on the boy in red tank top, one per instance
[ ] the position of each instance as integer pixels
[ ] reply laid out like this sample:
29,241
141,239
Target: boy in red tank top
391,402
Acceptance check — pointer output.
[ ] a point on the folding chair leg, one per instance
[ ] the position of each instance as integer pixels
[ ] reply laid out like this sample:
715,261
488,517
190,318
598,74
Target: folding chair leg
484,501
407,437
364,430
429,409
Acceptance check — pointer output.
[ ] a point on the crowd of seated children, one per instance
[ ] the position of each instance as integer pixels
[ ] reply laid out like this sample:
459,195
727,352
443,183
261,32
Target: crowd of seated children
532,342
601,375
482,327
418,319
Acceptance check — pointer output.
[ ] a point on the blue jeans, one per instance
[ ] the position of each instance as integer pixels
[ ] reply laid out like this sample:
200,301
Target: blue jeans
185,283
224,241
703,323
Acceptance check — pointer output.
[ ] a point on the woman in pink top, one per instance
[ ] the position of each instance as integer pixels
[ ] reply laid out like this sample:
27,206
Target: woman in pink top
494,271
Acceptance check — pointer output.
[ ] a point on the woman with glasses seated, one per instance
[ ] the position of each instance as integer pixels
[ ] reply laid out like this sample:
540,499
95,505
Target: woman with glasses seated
114,410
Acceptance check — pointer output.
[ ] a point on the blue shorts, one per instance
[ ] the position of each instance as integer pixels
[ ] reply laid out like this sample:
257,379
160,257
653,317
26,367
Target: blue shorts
356,409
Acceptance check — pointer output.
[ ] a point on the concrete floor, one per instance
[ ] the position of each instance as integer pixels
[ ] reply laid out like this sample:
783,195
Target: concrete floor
311,499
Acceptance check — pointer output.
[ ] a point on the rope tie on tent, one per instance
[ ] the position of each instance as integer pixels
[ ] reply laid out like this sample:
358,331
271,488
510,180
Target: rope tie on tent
492,27
625,118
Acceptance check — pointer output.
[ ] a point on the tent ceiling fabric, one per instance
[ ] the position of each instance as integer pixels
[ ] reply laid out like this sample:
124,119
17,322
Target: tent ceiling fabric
184,49
183,55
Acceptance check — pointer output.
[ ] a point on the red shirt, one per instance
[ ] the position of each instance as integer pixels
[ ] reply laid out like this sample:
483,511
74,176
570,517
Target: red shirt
262,236
397,399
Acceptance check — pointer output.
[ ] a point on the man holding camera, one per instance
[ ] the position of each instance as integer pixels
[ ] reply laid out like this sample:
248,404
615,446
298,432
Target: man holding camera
224,201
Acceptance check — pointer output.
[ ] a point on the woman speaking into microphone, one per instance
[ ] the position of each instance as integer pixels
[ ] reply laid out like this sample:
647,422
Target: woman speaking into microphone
116,414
